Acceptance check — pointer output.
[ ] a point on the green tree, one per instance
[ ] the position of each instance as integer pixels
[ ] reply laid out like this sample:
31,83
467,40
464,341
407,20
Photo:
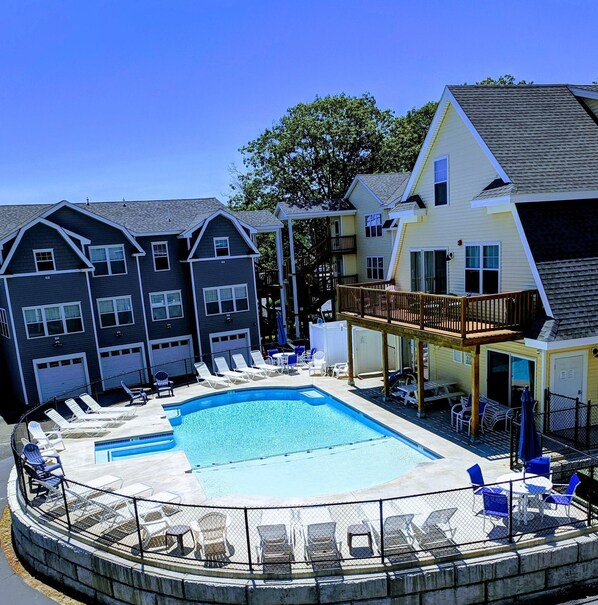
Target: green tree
506,80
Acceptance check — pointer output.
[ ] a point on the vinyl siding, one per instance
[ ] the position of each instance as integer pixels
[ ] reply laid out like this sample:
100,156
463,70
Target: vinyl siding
592,376
442,227
10,377
366,203
212,274
41,237
39,291
221,226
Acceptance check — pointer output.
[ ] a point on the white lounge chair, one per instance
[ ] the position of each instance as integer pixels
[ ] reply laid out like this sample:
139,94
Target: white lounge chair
80,414
397,530
241,366
94,406
78,427
317,364
261,364
436,531
276,544
319,536
204,375
223,369
47,440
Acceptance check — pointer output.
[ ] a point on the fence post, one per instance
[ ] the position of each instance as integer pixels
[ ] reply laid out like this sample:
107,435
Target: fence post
590,494
66,506
186,372
361,301
381,532
588,423
248,540
512,447
138,527
510,538
546,410
576,428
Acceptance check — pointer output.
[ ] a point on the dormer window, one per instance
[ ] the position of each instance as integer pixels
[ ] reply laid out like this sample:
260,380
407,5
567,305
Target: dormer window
221,247
44,260
160,253
441,181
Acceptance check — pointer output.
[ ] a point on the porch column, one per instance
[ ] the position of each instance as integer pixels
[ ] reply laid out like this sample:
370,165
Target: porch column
475,392
421,410
294,279
350,352
279,264
385,365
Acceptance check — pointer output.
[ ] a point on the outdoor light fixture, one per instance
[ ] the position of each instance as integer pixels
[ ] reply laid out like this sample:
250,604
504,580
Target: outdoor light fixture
57,342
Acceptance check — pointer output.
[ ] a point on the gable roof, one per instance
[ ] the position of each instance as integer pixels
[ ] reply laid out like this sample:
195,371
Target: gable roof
13,217
543,136
299,210
563,240
387,187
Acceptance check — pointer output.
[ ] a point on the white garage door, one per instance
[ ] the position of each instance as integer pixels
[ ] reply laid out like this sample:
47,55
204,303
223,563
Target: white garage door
123,364
229,343
60,377
175,357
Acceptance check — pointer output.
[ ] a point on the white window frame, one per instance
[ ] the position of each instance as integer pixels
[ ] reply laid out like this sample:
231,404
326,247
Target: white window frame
422,267
113,300
216,248
45,322
374,230
481,269
165,305
4,329
44,250
447,181
457,356
108,261
234,300
166,256
369,269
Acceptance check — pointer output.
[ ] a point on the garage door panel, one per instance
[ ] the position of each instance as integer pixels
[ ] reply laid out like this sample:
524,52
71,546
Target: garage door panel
61,378
126,364
227,345
175,357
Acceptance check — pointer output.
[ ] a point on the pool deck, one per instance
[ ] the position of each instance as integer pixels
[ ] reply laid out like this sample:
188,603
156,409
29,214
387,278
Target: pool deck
167,470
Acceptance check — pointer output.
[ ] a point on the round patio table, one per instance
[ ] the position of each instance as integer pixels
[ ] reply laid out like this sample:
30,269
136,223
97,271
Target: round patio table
525,487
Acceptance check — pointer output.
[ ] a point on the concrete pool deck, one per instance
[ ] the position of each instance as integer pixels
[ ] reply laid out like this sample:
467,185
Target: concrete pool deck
167,470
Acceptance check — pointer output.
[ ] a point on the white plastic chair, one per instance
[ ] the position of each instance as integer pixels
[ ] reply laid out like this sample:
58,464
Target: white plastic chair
317,364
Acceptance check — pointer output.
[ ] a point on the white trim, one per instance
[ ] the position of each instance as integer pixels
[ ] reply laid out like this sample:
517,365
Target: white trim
113,299
583,353
58,358
531,262
62,318
408,213
22,232
95,328
581,92
47,273
161,243
4,327
106,248
225,237
257,302
196,312
366,226
234,300
481,268
158,341
555,345
148,357
394,257
510,354
16,340
352,186
219,258
493,201
372,268
99,218
154,233
35,260
165,293
559,196
434,183
423,265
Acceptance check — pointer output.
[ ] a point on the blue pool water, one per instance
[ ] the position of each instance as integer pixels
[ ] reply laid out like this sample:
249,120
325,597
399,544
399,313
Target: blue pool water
279,442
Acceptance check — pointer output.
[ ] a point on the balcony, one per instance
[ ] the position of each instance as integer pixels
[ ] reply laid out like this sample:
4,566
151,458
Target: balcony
343,244
454,321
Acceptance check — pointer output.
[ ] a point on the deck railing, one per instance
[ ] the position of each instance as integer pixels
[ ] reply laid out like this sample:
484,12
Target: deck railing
343,244
459,315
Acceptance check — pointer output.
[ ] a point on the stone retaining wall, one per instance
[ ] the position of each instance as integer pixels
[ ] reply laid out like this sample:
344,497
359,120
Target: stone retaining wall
535,574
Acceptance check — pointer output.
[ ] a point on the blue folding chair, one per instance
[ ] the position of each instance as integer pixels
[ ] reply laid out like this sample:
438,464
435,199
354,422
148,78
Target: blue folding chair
291,362
478,484
565,499
538,466
496,506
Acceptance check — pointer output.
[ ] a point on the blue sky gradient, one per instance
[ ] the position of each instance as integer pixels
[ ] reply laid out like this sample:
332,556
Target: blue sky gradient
146,100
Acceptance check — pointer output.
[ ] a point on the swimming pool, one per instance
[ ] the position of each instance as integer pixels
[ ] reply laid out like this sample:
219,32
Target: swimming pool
281,442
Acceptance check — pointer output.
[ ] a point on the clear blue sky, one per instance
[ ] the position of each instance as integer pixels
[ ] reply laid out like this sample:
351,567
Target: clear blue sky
145,99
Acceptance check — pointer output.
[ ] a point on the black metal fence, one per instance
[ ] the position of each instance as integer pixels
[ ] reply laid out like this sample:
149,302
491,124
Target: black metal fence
571,420
282,541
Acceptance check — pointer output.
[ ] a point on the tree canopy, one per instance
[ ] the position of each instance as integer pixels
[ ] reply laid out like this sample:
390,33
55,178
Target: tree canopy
505,80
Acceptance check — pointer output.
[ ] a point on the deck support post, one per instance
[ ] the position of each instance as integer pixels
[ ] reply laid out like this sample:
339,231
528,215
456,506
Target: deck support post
294,278
279,264
350,353
475,392
385,365
421,411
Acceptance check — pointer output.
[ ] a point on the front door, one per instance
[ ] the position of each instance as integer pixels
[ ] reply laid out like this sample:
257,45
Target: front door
567,378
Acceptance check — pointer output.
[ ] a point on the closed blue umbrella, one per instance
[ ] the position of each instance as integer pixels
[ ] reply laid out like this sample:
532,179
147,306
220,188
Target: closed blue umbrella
529,440
282,333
